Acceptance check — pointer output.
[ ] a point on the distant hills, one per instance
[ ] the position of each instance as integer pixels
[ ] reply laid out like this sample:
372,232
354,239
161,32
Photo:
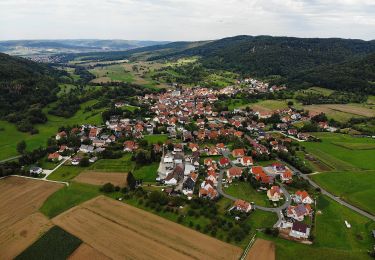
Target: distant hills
341,64
45,47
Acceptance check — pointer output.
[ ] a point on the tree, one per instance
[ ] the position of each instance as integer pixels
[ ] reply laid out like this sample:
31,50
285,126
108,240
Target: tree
108,188
21,147
84,162
131,181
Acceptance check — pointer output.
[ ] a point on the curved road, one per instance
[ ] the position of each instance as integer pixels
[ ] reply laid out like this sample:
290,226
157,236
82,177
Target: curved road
335,198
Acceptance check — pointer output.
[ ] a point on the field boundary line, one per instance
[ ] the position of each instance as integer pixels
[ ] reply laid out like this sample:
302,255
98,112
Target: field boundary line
38,179
247,249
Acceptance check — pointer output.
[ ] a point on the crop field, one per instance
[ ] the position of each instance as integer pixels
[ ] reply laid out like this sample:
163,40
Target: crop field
85,251
10,136
164,239
101,178
339,157
341,112
355,187
55,244
262,250
20,222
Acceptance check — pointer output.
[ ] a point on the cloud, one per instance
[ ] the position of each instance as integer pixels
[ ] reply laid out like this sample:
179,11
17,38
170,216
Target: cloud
184,20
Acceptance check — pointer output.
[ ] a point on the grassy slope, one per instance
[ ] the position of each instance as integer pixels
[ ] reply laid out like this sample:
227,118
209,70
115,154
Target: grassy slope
147,173
123,164
10,136
154,139
65,173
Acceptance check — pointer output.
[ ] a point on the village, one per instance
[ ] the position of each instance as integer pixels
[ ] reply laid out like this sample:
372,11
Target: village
208,151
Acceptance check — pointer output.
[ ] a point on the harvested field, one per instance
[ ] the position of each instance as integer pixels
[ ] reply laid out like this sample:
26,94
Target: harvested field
120,231
20,222
341,112
85,251
262,250
100,178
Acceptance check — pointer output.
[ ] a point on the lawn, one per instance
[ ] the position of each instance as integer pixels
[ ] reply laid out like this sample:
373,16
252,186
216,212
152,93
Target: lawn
355,187
147,173
154,139
10,136
339,157
68,197
55,244
123,164
243,190
65,173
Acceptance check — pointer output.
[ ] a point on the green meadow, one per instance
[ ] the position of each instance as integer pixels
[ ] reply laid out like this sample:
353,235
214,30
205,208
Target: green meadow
68,197
10,136
356,187
341,151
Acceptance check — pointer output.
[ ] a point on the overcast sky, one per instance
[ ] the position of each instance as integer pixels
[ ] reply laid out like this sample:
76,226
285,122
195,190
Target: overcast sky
184,20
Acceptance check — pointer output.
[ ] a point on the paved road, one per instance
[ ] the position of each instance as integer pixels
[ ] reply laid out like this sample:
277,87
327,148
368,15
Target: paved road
10,159
335,198
48,172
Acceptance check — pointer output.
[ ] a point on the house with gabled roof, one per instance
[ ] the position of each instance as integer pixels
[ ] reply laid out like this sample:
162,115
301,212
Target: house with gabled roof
274,194
302,197
242,205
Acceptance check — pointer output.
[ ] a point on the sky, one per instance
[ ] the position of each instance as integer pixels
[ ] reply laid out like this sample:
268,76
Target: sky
175,20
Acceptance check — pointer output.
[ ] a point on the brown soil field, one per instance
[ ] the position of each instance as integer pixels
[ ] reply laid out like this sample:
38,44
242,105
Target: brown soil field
262,250
100,178
85,251
20,222
121,231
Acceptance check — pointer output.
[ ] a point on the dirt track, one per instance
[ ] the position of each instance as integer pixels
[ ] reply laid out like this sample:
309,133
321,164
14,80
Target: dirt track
121,231
20,222
262,250
100,178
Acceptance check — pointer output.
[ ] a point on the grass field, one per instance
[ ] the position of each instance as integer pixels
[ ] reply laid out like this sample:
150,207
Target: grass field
243,190
339,157
140,228
68,197
147,173
154,139
112,73
55,244
355,187
123,164
269,105
65,173
20,222
11,136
